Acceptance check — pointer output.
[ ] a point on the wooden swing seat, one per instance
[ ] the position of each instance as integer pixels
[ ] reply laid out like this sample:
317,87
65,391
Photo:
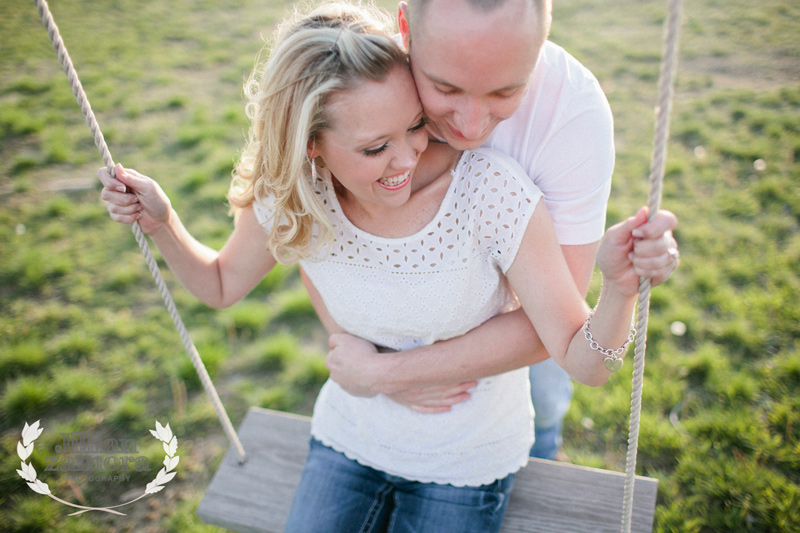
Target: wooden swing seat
547,496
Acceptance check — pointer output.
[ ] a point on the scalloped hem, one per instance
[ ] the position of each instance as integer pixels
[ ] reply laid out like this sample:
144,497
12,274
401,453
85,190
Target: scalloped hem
468,482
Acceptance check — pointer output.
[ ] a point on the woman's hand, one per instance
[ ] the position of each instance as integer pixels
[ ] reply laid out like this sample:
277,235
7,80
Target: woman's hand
132,197
637,248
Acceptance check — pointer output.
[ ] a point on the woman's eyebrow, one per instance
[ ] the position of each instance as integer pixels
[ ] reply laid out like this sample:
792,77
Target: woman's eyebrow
372,138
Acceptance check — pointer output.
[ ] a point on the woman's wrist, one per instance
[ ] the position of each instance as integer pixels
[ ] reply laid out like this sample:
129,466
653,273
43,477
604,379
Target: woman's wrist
167,227
612,357
616,294
609,327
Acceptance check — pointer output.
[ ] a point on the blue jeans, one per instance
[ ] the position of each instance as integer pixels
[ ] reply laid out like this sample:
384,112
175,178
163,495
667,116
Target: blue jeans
551,392
338,495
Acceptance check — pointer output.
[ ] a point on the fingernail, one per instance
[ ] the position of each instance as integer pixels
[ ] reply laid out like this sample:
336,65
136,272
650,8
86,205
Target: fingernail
637,233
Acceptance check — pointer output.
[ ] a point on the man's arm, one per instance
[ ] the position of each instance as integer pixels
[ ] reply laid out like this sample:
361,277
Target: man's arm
501,344
504,343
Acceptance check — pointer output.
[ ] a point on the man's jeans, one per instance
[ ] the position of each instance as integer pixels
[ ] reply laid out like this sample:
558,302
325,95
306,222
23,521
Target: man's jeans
551,392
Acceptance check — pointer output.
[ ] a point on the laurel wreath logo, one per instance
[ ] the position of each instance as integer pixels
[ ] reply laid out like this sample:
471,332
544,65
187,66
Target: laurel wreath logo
28,472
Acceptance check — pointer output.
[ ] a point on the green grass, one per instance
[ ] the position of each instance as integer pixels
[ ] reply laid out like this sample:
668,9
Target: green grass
86,344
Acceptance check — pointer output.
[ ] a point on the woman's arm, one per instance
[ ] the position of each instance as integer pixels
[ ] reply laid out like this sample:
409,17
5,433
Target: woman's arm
218,279
431,378
540,278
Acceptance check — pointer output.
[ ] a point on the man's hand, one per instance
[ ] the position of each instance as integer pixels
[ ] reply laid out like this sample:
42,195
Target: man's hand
434,399
353,364
360,369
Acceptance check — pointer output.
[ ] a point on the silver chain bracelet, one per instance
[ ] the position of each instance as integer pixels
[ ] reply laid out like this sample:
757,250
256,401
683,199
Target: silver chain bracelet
612,361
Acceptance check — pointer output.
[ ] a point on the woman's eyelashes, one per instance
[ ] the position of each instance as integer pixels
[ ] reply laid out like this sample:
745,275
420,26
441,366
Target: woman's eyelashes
376,151
380,149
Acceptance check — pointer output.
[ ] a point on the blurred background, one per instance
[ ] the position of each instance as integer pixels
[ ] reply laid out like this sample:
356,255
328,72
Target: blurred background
86,344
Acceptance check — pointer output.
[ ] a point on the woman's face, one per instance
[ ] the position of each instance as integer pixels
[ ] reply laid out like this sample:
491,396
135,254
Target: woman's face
375,140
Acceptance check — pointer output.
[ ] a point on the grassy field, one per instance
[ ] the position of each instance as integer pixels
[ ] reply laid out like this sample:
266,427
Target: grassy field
86,345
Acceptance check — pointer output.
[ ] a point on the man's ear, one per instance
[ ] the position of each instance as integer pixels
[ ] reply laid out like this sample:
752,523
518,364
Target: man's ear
402,22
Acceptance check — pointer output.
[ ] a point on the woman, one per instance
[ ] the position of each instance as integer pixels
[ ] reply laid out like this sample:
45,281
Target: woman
407,243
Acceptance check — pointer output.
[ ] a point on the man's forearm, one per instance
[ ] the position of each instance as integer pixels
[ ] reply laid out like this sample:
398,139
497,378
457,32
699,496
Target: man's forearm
503,343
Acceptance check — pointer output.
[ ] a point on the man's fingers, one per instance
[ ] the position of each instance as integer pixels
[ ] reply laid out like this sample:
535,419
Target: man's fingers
461,387
442,392
429,410
441,405
445,400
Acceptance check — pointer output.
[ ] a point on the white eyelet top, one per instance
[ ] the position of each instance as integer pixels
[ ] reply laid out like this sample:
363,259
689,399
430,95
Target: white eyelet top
438,283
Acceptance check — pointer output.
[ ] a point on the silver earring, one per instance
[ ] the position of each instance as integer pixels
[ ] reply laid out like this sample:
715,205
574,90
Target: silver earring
314,170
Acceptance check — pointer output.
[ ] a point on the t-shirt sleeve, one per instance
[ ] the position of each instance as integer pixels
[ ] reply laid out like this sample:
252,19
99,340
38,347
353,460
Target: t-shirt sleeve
505,201
576,166
265,213
563,136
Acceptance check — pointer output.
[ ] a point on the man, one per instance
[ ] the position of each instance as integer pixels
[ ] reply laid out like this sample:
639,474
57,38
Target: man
487,76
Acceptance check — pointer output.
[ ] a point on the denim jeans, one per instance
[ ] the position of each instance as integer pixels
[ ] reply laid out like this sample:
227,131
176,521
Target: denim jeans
338,495
551,393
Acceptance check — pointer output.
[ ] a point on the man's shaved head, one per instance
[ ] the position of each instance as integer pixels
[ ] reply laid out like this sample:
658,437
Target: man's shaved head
418,8
472,60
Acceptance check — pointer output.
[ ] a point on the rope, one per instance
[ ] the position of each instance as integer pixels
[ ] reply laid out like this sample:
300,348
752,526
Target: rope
666,85
83,102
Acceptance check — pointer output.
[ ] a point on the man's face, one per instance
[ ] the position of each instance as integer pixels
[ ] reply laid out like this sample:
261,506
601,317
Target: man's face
472,69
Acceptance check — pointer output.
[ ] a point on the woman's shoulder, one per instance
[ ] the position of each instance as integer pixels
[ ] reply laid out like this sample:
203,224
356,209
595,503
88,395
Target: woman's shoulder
485,166
264,209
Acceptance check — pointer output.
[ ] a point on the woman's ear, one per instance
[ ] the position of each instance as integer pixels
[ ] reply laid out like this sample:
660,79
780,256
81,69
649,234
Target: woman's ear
311,149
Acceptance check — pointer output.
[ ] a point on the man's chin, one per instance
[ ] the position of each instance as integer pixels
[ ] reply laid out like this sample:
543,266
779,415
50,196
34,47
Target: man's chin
457,142
460,143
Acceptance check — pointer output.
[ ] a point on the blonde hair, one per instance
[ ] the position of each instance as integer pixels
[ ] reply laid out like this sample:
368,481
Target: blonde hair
315,55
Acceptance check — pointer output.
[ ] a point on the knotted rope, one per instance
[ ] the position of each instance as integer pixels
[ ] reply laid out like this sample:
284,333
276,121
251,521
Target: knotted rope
666,85
83,102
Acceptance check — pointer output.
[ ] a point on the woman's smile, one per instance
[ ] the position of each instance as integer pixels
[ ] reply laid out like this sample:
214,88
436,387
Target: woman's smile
397,182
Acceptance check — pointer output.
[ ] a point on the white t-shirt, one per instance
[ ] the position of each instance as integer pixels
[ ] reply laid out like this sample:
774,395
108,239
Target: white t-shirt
436,284
563,136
